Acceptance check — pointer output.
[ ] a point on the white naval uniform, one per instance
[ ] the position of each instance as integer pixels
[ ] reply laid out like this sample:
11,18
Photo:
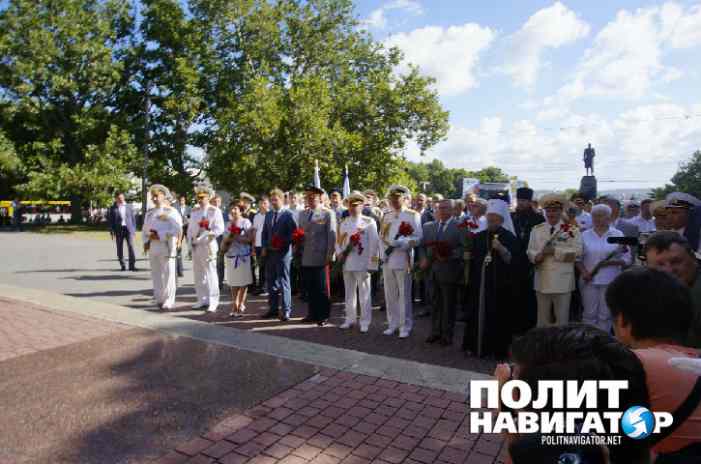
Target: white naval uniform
204,255
166,221
356,267
396,270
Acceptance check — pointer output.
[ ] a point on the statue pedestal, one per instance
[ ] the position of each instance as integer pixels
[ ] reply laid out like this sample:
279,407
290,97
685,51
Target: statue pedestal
587,187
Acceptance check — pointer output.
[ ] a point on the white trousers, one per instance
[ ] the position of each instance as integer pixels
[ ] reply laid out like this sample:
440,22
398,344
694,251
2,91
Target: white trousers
204,270
560,302
596,312
162,274
398,298
358,281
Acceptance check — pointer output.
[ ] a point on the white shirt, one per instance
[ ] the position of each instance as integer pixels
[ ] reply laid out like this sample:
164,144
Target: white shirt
583,220
369,239
166,222
122,208
645,226
596,249
258,222
481,224
216,223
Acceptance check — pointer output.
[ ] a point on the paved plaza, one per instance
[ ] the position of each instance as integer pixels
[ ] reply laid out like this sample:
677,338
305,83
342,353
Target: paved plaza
95,375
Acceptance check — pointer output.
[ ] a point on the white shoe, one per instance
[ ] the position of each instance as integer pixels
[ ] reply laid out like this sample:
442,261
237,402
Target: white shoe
212,308
346,325
166,307
404,333
363,329
389,331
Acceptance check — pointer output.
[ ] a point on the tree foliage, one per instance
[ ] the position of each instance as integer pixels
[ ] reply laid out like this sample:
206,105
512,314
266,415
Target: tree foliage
246,92
60,74
687,179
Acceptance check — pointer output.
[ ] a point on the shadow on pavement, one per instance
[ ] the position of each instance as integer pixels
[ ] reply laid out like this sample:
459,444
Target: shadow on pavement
129,397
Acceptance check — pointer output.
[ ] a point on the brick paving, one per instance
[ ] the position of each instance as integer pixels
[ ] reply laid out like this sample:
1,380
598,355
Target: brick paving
27,329
340,417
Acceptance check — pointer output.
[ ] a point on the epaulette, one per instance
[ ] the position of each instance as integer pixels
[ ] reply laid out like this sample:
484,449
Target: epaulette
538,226
196,208
412,211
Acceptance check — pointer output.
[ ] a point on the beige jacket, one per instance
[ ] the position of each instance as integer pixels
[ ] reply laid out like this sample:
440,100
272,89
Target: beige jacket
556,273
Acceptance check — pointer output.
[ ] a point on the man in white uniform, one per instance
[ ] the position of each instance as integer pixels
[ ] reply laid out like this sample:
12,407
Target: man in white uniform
398,255
161,233
206,224
360,260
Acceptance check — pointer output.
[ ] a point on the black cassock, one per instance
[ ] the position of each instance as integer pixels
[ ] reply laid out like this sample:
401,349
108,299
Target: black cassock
498,293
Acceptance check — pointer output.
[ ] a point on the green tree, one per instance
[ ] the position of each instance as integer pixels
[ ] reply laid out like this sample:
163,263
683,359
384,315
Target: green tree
60,75
290,82
687,179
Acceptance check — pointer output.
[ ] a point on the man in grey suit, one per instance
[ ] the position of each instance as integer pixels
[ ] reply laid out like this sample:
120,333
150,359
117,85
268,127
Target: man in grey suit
441,257
123,227
319,224
628,228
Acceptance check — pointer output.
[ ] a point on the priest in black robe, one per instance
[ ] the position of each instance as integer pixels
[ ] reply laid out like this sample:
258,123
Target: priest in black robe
524,218
492,305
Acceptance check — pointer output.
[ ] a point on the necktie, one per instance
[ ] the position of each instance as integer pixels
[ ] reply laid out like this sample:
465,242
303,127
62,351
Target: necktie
274,218
552,230
440,230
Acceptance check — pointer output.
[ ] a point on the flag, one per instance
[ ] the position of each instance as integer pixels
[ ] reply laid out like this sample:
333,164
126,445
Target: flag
317,179
346,184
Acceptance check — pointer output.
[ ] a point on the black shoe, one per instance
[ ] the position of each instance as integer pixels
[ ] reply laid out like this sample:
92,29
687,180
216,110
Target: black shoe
179,275
123,269
284,318
382,308
446,342
308,320
133,269
322,323
269,316
433,339
423,314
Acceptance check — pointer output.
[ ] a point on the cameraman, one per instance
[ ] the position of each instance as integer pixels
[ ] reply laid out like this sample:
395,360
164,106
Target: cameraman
670,252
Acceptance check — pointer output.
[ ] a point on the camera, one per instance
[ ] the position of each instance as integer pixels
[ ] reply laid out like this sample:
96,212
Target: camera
638,242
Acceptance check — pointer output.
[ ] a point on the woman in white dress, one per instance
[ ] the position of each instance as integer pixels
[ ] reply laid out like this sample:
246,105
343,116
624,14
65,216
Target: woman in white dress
237,248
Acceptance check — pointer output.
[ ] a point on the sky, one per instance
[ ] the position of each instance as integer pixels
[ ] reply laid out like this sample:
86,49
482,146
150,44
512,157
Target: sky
530,83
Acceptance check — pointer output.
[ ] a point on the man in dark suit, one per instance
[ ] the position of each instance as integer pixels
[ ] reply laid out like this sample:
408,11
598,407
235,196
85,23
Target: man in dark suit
441,256
123,227
276,245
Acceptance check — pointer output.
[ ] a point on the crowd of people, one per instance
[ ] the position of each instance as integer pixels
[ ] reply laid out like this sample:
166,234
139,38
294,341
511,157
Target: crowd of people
565,288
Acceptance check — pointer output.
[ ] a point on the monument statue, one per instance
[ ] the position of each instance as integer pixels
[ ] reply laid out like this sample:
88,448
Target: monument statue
589,154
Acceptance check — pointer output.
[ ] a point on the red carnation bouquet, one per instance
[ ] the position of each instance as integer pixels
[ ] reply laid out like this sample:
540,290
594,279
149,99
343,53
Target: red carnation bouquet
234,229
276,242
354,241
203,224
405,230
469,225
563,233
298,236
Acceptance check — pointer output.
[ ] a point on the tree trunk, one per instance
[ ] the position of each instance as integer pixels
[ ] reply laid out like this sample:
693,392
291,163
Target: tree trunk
76,209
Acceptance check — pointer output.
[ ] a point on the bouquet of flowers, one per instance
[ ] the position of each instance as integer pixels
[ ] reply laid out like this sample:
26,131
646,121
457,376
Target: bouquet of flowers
617,251
298,236
234,230
469,227
276,242
405,230
203,224
563,233
354,241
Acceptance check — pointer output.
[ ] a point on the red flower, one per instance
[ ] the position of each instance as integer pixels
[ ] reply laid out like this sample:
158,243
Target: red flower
153,235
565,227
276,242
204,224
355,241
298,236
233,230
467,224
405,230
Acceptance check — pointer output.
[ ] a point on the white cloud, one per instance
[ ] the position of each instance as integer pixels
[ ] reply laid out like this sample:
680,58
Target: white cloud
449,54
644,144
376,20
550,27
378,17
626,59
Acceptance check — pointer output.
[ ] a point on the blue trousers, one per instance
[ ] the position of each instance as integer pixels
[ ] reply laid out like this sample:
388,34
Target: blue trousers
277,278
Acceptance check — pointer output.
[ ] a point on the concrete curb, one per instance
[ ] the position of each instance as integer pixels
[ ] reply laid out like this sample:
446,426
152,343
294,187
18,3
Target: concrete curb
444,378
